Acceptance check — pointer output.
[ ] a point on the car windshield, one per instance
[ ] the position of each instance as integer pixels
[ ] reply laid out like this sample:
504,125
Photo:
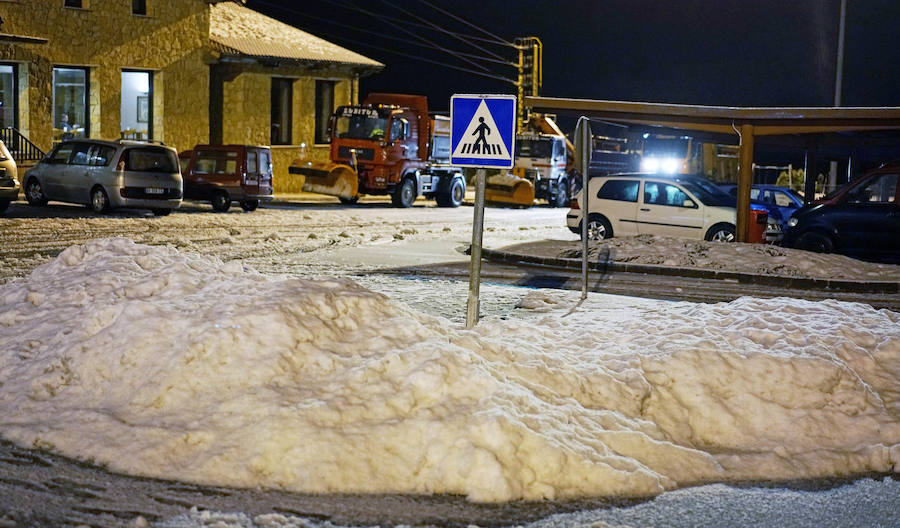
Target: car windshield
360,123
534,148
708,192
150,159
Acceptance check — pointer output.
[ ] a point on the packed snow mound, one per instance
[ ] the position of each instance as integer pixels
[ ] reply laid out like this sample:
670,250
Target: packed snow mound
167,364
761,259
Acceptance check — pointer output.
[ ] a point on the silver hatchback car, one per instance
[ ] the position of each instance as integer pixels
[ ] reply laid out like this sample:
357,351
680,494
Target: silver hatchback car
108,174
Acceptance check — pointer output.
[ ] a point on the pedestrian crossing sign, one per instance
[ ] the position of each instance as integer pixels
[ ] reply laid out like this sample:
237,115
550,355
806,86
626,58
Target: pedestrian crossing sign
483,131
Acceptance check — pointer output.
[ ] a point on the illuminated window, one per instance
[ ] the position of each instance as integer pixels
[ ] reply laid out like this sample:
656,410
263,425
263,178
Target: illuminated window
70,103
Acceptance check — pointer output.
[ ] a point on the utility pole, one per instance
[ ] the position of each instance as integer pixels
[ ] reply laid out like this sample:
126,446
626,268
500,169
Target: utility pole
531,72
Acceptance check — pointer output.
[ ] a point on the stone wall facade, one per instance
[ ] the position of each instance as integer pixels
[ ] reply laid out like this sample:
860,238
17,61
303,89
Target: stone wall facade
171,41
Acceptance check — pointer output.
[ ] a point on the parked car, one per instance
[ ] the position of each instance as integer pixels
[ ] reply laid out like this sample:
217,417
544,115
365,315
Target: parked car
221,174
776,198
107,174
860,219
670,205
9,181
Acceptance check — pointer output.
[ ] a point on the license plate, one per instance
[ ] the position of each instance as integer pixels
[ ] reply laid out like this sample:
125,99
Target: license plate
154,190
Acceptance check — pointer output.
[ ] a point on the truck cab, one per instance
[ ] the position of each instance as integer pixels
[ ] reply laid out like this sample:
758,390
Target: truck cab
542,159
388,145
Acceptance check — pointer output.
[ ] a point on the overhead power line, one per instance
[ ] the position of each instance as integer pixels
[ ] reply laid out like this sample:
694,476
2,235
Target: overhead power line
392,22
504,62
497,39
442,30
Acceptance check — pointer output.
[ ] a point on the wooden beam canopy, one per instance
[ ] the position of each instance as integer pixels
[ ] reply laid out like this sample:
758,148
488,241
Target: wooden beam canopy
745,122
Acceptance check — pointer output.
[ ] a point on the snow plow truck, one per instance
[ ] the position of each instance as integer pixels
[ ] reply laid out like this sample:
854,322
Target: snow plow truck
388,145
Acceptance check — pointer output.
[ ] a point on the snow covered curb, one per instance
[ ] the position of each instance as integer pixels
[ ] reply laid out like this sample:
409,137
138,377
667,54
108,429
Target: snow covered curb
806,283
166,364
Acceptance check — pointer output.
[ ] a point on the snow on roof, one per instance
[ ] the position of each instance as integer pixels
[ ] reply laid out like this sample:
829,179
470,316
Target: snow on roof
236,29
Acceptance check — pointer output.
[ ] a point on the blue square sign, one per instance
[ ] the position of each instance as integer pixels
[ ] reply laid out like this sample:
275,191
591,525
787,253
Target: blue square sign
483,131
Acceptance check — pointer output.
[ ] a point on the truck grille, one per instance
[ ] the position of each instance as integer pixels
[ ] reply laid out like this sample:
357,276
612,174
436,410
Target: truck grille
365,154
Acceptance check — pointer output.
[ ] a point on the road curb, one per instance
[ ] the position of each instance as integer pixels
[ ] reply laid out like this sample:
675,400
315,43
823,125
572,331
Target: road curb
769,280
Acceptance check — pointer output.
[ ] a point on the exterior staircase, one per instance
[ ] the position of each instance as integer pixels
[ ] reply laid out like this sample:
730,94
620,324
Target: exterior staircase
26,153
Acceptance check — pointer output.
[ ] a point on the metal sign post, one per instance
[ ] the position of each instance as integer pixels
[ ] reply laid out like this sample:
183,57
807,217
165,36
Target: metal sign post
474,301
482,134
583,149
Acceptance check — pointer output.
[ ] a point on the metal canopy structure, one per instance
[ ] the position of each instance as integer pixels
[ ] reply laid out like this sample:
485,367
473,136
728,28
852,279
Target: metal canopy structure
745,123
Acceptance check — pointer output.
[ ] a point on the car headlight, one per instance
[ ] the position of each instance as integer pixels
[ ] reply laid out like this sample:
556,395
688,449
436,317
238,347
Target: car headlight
793,222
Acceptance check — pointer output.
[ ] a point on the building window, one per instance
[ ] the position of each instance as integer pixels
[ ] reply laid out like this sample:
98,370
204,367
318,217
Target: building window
74,3
8,96
70,103
136,118
139,7
282,115
324,109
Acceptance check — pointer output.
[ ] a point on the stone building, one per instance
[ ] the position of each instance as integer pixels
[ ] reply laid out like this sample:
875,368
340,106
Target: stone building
179,71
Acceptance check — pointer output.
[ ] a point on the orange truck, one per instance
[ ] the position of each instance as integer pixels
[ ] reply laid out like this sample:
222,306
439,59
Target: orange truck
388,145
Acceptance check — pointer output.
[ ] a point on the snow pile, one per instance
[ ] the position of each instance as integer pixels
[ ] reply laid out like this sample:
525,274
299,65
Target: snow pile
160,363
744,258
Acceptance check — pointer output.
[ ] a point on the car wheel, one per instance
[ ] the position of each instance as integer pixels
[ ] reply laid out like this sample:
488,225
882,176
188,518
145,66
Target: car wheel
456,190
221,202
4,205
99,200
562,194
34,193
720,233
598,228
816,242
349,201
249,205
161,212
405,194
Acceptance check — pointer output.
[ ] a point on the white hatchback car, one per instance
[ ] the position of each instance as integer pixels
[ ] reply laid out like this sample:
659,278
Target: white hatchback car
668,205
9,183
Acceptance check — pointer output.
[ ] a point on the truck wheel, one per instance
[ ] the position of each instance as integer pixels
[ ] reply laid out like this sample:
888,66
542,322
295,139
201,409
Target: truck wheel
349,201
249,205
405,194
454,195
221,202
562,194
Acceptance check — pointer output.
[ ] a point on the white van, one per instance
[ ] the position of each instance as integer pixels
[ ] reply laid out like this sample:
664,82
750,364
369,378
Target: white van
642,203
9,181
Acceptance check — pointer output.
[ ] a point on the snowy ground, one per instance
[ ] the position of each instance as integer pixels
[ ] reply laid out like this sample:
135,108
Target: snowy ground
231,359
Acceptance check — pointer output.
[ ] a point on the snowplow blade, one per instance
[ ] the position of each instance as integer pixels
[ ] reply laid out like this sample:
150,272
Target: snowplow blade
332,179
506,188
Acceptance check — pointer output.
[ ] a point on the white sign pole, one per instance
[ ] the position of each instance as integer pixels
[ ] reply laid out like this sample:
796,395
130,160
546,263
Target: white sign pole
475,266
583,162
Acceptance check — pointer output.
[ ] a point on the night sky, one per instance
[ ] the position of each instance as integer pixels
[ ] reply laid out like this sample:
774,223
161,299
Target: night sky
715,52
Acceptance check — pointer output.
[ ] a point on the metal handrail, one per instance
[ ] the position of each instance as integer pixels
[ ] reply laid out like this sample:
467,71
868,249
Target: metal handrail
21,148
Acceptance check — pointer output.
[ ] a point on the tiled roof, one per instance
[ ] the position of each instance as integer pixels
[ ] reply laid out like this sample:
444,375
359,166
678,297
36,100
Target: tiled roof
234,28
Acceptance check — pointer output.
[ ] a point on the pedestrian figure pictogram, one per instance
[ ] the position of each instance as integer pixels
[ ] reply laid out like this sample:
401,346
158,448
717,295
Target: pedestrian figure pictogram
481,130
479,139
